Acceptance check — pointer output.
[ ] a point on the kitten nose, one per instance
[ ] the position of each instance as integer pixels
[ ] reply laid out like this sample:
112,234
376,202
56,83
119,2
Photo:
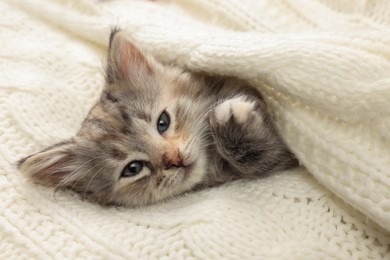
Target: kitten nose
172,159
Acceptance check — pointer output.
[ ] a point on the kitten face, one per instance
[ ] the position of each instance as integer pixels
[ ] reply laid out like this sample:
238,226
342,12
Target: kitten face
142,142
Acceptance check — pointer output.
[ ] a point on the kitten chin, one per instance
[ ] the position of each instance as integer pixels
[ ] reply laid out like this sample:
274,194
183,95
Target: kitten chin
158,131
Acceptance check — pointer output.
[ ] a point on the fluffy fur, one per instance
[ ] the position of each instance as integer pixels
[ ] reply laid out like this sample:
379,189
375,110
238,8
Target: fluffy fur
219,131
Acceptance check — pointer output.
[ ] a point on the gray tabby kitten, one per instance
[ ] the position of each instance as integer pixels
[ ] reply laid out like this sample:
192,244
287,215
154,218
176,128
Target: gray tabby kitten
159,131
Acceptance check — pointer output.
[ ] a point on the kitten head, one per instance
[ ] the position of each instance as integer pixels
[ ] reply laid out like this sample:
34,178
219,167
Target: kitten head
142,142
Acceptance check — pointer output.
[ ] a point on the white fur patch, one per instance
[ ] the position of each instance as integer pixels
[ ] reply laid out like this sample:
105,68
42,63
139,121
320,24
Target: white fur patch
222,111
238,106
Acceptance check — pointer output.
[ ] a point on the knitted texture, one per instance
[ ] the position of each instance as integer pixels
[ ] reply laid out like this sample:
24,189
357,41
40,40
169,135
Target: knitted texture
324,69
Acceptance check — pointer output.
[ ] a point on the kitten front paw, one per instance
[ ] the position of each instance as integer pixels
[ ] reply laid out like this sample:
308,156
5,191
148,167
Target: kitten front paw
238,131
245,139
239,109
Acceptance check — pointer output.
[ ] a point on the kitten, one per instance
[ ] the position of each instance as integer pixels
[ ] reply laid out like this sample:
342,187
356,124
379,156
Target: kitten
159,131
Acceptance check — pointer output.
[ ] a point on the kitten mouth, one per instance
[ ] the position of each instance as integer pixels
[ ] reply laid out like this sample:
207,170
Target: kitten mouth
188,168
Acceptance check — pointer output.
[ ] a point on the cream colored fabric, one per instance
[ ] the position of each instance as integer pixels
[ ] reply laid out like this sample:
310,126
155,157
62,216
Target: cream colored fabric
324,68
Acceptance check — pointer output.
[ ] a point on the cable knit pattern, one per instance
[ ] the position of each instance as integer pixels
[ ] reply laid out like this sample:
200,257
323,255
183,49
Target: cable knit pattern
324,68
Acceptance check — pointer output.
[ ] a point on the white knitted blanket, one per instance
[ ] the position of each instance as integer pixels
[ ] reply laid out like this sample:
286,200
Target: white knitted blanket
324,67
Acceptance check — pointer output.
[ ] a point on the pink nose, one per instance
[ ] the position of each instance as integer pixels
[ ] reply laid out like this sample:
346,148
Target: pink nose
172,159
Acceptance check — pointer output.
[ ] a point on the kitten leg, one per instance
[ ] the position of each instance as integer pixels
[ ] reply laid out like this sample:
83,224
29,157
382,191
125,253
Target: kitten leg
245,138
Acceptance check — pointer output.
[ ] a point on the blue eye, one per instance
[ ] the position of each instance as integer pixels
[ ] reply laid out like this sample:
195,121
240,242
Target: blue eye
132,169
163,122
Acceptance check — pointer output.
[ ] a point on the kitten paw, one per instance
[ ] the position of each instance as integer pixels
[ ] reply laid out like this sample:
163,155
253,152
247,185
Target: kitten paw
239,108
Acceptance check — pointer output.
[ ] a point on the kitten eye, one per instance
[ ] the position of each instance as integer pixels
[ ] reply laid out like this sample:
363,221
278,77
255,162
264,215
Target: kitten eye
163,122
132,169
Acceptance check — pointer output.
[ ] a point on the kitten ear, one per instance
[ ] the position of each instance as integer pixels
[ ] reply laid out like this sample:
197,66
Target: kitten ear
50,166
124,60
